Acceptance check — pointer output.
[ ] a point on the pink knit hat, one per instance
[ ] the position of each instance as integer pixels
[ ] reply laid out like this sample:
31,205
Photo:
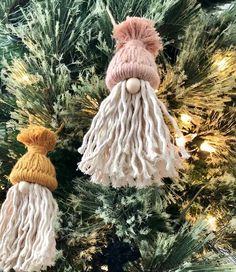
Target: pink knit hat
138,44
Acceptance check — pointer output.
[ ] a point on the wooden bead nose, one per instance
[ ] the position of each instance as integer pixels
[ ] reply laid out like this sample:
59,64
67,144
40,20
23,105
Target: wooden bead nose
133,85
24,187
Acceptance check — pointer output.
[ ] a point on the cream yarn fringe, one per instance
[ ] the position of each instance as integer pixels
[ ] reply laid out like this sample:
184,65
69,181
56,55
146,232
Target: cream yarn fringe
128,142
27,238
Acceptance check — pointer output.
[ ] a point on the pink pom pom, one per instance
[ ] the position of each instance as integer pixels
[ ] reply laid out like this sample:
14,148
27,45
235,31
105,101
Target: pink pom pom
141,29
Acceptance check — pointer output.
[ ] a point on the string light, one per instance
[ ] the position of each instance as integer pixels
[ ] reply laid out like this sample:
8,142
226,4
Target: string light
25,78
212,222
180,141
19,73
223,61
232,223
104,267
221,64
185,118
205,146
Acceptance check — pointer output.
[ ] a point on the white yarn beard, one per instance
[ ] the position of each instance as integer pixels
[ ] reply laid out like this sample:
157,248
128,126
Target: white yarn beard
128,142
27,237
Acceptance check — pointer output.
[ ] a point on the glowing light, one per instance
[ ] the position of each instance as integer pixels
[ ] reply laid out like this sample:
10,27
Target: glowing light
221,64
205,146
212,222
104,267
180,141
25,78
232,223
19,73
185,118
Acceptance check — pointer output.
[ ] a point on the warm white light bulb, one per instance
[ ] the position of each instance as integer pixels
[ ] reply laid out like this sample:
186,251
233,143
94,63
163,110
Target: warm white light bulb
205,146
212,222
104,267
221,64
185,118
180,141
26,78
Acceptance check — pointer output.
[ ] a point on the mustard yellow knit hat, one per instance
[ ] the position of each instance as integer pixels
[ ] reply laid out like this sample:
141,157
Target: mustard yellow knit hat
34,166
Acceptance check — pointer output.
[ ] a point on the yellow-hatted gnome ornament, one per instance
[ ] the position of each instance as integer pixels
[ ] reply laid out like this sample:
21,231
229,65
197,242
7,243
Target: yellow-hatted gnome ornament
28,215
128,142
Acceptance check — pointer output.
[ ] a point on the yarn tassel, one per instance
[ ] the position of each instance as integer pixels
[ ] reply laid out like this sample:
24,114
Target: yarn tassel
28,215
128,142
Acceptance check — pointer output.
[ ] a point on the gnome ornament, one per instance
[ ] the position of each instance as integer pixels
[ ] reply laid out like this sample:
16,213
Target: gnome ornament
28,215
128,142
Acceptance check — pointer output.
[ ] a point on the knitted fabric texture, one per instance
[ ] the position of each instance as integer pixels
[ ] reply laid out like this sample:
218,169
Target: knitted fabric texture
34,166
138,44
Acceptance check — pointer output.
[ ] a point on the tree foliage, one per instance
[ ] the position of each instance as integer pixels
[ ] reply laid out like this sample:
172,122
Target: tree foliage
55,56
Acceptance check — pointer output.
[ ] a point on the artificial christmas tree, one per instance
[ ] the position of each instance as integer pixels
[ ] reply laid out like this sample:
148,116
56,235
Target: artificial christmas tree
55,57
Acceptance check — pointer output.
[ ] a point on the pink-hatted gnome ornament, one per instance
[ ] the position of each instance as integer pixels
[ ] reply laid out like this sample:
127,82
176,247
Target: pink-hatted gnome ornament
128,142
